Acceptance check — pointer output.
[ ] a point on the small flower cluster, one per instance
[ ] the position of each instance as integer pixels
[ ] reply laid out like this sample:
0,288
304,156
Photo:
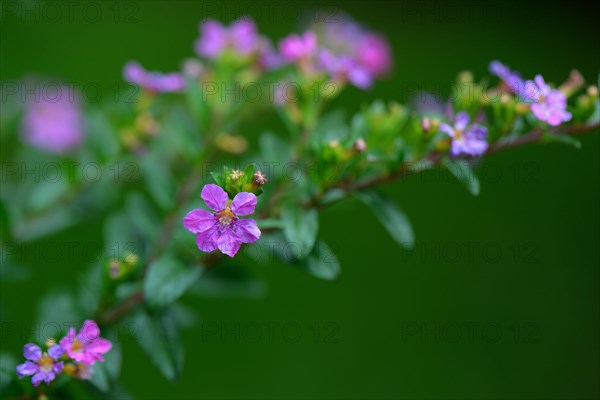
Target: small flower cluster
73,355
223,228
344,51
547,104
240,41
466,139
54,123
153,81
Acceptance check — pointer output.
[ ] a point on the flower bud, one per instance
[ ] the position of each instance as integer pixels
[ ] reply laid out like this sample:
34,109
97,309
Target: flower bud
131,260
592,91
115,269
84,371
259,179
235,176
426,124
465,77
256,183
50,342
522,108
573,83
442,145
192,68
360,145
146,123
70,369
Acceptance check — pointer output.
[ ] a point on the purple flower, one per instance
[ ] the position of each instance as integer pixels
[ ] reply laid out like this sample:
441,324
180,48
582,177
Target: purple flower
223,229
53,123
154,81
41,366
550,105
511,79
468,140
269,58
373,53
86,346
215,38
298,47
345,51
345,68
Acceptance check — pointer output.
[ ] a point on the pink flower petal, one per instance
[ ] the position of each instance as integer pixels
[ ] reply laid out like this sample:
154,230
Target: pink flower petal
229,243
447,129
247,230
207,240
32,352
243,203
89,332
214,197
462,119
26,369
38,378
198,220
99,346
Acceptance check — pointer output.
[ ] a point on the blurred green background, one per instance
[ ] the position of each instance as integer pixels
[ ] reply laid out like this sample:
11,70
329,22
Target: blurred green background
434,323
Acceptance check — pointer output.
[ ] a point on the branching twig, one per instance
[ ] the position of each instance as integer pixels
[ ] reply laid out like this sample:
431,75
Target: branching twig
137,298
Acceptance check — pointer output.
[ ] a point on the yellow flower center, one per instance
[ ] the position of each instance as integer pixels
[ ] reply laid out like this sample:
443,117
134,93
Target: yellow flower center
226,217
77,346
46,363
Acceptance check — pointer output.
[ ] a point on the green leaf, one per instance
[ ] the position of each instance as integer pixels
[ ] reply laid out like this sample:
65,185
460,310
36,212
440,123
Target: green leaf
333,196
218,178
464,173
101,136
199,108
167,280
90,286
56,219
565,139
172,333
152,338
274,149
269,223
322,262
46,194
595,117
229,281
8,363
113,359
127,289
390,216
143,216
159,180
57,312
300,226
249,173
120,239
100,377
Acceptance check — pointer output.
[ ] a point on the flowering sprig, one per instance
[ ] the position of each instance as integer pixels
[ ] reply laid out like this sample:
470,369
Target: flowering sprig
547,104
74,355
335,157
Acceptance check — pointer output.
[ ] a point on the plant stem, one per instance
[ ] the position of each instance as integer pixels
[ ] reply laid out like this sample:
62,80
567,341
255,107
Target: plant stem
435,158
113,315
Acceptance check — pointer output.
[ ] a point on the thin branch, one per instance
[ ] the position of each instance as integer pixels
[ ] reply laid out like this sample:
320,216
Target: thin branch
434,158
137,298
